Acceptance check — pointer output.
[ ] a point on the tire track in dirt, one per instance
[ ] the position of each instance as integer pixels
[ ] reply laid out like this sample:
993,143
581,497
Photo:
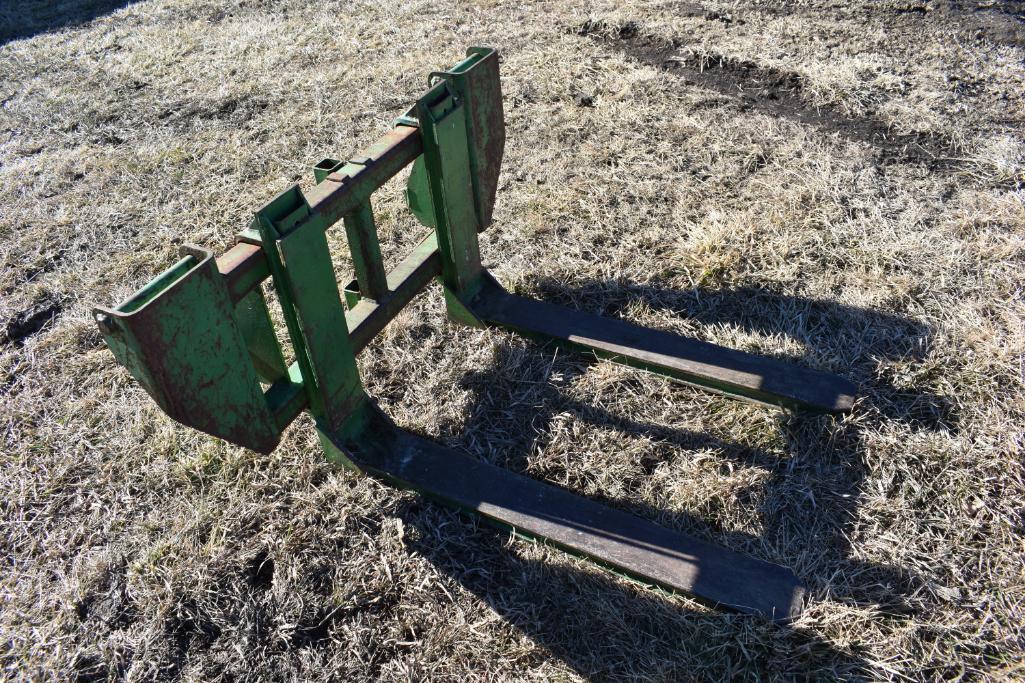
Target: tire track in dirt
775,92
1000,22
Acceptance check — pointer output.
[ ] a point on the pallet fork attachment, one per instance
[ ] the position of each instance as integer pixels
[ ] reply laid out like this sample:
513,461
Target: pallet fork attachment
200,341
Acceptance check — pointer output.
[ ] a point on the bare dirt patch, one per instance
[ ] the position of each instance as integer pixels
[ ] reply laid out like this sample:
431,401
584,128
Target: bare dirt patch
771,91
27,322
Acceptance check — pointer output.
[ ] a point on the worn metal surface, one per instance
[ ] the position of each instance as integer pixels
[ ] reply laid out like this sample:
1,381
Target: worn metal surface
408,279
343,191
287,397
326,167
735,373
446,160
282,213
622,541
309,277
340,193
243,268
476,84
418,195
178,337
254,322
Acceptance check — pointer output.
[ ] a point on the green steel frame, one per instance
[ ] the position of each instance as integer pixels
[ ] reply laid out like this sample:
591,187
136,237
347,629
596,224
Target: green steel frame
200,340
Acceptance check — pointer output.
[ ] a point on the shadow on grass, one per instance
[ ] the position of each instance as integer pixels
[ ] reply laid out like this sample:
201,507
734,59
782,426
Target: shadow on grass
847,340
26,18
806,503
605,629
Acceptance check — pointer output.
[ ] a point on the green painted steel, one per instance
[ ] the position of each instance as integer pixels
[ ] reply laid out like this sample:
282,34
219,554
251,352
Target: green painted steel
365,249
200,339
325,168
180,339
410,277
310,279
476,84
258,332
285,211
418,195
447,164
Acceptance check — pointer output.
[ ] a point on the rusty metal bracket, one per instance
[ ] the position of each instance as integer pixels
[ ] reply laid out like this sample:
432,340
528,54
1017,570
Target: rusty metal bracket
200,341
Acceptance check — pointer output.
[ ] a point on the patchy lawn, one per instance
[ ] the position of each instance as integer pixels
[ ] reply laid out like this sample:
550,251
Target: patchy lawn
838,185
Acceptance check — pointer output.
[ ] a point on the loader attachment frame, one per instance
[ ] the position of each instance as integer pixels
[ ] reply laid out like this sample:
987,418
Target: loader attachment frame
200,341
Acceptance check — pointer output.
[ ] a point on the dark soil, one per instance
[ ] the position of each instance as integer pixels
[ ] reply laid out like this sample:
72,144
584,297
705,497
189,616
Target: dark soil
28,322
774,92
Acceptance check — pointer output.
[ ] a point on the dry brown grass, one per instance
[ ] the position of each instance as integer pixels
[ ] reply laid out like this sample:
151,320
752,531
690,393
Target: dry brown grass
837,185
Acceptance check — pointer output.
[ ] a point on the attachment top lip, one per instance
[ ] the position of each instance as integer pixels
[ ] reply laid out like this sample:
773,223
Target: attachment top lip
192,258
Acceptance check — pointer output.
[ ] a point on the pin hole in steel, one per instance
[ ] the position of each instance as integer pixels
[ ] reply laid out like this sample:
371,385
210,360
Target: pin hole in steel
105,322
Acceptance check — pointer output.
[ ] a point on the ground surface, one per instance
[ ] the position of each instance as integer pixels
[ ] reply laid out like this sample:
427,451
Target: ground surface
838,184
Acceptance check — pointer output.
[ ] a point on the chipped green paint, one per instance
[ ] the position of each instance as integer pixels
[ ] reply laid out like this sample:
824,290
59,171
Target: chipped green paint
179,338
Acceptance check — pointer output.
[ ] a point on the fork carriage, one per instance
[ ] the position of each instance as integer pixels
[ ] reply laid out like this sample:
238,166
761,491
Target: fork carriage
200,340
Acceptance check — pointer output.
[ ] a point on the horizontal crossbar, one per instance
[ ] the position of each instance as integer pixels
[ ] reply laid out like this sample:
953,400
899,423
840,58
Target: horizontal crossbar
405,281
365,321
244,266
